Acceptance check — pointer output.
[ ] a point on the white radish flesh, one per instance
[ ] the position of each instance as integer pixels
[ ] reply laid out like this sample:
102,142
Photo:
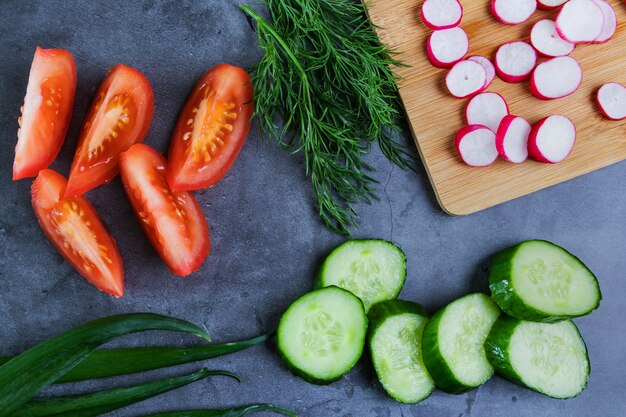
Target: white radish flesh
442,14
513,12
547,41
476,145
556,78
515,61
552,139
447,47
580,21
465,79
550,4
610,21
487,109
512,138
490,70
612,101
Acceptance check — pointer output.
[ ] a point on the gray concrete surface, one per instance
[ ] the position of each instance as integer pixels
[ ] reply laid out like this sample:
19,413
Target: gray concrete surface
267,241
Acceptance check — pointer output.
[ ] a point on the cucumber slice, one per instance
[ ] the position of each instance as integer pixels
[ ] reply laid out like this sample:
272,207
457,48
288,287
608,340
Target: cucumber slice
373,269
540,281
550,358
453,341
395,340
322,334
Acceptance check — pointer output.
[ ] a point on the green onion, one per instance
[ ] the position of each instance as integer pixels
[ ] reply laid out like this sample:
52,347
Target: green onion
96,403
115,362
232,412
28,373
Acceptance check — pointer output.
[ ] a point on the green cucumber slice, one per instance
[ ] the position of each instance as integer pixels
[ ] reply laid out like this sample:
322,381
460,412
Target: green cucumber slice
453,340
322,334
372,269
395,341
550,358
539,281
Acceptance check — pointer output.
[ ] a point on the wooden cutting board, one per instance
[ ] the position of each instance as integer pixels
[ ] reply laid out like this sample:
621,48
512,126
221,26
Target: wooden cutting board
435,116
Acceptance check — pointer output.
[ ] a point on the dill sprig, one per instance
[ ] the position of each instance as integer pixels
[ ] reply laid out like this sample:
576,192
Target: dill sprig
327,78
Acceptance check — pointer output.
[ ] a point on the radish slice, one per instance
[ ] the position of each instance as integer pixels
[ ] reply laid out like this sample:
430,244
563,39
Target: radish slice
580,21
556,78
610,21
546,40
447,47
513,12
512,138
487,109
490,70
476,145
612,101
442,14
515,61
466,78
550,4
552,139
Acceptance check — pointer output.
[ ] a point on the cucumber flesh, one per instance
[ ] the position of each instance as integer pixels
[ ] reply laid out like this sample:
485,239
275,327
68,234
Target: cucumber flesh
540,281
453,343
395,342
322,334
373,269
550,358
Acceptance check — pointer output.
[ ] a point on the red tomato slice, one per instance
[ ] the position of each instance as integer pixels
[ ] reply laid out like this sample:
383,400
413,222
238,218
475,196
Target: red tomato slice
172,220
119,117
46,112
211,129
75,229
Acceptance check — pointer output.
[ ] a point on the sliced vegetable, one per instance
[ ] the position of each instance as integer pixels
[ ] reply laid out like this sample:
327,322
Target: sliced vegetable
512,138
515,61
322,334
211,129
73,226
466,78
372,269
610,22
490,70
395,341
447,47
552,139
612,101
512,12
556,78
119,116
97,403
28,373
540,281
476,145
453,340
115,362
232,412
172,220
550,4
547,41
442,14
550,358
580,21
46,112
487,109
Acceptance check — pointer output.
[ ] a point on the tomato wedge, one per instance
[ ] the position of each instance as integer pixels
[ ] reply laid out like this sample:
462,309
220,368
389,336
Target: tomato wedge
46,112
75,229
172,220
211,128
119,116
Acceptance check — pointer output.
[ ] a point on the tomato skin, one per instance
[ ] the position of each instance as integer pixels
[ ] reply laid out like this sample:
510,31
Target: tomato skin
230,92
172,220
46,113
119,116
75,229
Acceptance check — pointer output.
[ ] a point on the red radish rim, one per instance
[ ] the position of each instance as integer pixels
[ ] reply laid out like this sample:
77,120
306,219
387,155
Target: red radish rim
534,151
563,20
541,4
610,22
557,79
502,138
536,38
490,69
509,77
487,123
433,26
498,13
469,89
464,155
603,108
434,37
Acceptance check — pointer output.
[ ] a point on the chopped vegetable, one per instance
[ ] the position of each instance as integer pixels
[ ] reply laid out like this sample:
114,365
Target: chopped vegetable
327,76
487,109
612,101
466,78
476,145
552,139
442,14
610,22
547,41
556,78
447,47
512,138
550,4
232,412
512,12
580,21
490,70
515,61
